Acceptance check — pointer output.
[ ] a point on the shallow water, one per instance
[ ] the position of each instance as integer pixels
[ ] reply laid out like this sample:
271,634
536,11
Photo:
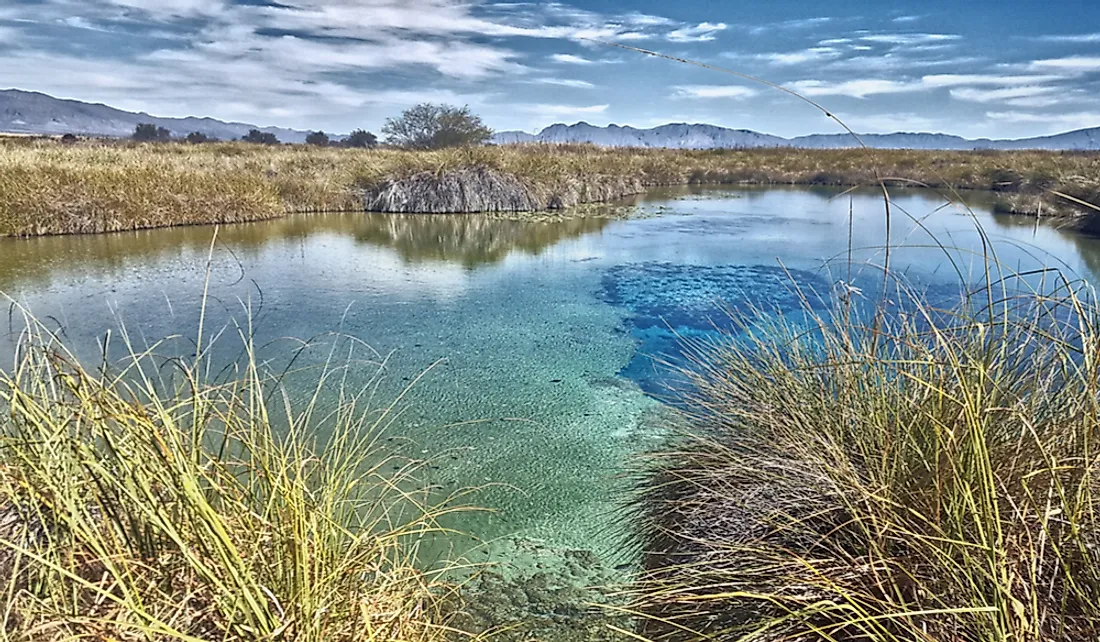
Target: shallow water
536,337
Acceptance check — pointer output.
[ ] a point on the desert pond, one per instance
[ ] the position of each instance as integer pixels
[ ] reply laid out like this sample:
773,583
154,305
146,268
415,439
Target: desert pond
532,341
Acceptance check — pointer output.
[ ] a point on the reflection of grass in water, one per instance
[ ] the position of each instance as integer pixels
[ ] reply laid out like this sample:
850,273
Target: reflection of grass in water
134,513
471,240
467,239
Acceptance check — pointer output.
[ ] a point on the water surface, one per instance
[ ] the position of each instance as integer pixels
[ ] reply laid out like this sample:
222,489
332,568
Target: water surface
536,337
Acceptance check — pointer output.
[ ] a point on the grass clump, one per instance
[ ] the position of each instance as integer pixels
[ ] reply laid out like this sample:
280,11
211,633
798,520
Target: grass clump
930,475
204,512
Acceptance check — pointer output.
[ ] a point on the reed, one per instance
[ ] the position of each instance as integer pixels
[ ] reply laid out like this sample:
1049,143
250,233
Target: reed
103,186
134,508
912,473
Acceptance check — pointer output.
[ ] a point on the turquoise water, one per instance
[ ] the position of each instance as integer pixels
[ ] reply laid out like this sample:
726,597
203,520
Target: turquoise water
534,339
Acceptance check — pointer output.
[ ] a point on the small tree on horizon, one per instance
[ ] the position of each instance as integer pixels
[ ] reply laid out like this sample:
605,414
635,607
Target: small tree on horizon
360,138
260,138
318,138
148,132
197,138
430,126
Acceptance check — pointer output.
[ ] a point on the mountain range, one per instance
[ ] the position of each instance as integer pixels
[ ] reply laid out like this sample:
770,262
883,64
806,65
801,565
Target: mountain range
699,136
28,112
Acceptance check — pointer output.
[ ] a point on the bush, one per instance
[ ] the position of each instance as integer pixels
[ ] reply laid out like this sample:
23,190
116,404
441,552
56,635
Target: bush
260,138
148,132
429,126
360,138
198,138
318,138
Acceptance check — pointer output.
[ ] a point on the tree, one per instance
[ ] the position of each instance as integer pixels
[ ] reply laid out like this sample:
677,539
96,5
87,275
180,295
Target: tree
197,138
360,138
69,139
149,132
429,126
317,138
260,138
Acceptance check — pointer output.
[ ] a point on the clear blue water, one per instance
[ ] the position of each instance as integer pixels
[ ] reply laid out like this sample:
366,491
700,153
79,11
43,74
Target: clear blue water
536,338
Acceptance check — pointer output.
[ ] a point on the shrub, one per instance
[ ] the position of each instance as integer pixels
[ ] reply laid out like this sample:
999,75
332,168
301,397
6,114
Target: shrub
360,138
260,138
198,138
148,132
318,138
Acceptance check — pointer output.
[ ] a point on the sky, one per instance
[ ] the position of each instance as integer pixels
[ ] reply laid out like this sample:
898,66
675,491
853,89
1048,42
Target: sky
976,68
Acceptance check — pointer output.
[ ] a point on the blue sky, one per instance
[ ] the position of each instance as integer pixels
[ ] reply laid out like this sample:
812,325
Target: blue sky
1009,68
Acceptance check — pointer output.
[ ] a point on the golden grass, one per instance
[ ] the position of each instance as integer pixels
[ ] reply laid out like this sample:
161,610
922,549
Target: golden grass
926,476
50,188
135,509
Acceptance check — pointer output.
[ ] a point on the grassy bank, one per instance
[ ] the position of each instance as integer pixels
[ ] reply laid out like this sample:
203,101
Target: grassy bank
930,475
50,188
134,511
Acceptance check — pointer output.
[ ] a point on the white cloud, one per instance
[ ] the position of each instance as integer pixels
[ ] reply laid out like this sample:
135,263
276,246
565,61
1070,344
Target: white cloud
1052,122
894,122
552,111
813,54
1070,64
1076,38
564,82
853,88
956,80
702,32
962,86
715,91
1003,94
907,18
570,59
907,39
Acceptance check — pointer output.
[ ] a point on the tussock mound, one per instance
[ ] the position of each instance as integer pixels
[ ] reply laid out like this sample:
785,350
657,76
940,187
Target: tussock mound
469,190
464,190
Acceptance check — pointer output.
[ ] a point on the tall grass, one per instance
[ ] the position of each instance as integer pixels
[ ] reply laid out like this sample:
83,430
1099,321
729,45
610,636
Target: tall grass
50,188
133,509
929,476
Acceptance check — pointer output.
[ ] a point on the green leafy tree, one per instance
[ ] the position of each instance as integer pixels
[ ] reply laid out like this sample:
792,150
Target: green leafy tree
148,132
360,138
317,138
430,126
260,138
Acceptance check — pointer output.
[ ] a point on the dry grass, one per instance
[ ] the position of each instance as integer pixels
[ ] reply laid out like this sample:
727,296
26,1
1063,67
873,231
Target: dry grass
135,509
928,476
50,188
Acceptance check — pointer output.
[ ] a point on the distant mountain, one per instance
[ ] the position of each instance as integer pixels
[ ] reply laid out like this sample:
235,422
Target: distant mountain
28,112
699,136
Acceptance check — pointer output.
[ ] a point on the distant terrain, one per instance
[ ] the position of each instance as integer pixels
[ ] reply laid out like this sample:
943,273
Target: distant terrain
29,112
698,136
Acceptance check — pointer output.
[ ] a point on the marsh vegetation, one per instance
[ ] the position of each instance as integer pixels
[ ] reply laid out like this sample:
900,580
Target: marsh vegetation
91,186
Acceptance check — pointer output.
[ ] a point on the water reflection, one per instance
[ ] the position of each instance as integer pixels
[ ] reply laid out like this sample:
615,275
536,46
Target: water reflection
469,240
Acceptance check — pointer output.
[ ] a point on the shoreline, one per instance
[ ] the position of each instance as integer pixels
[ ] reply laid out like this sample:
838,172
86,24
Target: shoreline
48,189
